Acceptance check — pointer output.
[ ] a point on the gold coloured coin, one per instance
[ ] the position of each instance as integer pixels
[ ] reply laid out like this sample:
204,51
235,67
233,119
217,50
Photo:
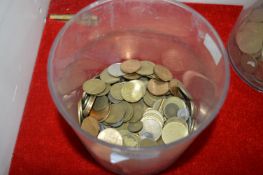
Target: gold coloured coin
170,110
101,103
150,99
94,86
106,91
135,127
117,113
133,91
91,126
132,76
138,109
146,68
163,73
128,111
130,66
107,78
157,87
129,139
111,135
174,131
115,91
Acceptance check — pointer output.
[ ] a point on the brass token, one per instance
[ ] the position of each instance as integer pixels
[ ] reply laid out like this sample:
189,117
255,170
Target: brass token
130,66
111,135
94,86
101,103
129,139
157,88
135,127
132,76
100,115
89,105
115,70
133,90
163,73
115,91
138,109
117,113
147,143
91,126
174,131
146,68
106,91
107,78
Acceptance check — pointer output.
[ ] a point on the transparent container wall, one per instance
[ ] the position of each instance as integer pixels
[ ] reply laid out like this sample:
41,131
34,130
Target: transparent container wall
163,32
245,46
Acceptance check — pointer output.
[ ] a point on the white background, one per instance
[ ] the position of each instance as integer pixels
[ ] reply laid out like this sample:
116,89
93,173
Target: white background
21,25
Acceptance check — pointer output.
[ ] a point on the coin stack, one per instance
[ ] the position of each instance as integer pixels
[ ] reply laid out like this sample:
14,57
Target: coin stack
136,104
249,39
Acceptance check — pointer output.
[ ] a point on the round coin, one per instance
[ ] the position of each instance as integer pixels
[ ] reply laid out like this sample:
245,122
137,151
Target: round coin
157,88
115,70
146,68
174,131
163,73
138,110
89,105
130,66
132,76
91,126
115,91
107,78
100,115
80,112
147,143
150,99
117,113
111,135
174,87
106,90
153,126
128,112
94,86
129,139
101,103
135,127
170,110
133,91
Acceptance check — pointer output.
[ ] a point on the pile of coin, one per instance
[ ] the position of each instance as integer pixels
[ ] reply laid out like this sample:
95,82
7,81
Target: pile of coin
249,39
136,104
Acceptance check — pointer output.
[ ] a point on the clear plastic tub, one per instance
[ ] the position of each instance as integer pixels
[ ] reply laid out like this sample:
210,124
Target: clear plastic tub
163,31
245,46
